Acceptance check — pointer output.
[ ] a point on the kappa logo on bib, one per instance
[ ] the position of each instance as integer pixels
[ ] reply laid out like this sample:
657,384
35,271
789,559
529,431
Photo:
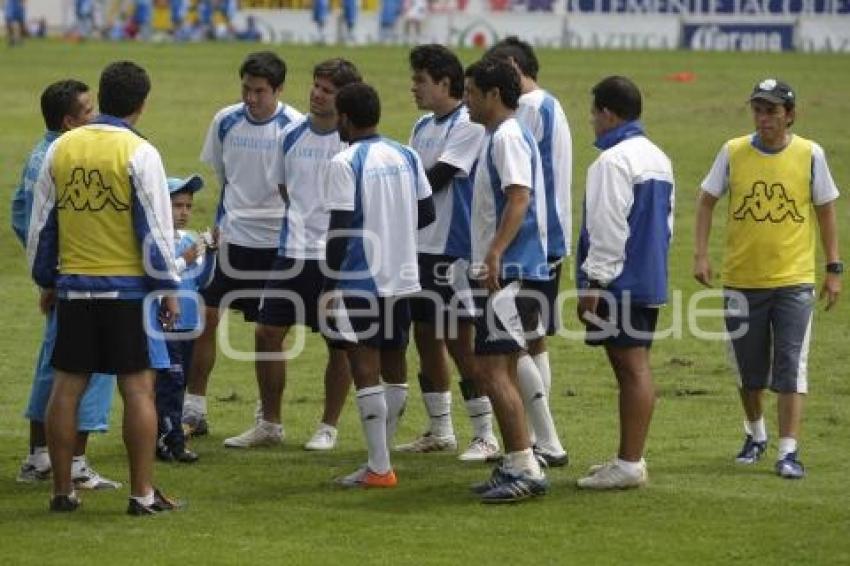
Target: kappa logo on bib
88,192
768,203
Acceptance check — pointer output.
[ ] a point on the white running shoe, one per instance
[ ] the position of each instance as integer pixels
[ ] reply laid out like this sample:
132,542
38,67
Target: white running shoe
261,434
429,443
30,473
87,478
481,450
613,476
323,439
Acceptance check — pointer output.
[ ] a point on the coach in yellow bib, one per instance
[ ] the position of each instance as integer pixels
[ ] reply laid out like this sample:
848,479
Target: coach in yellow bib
100,242
780,189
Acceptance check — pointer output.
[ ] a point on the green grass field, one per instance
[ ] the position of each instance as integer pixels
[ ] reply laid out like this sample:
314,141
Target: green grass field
278,505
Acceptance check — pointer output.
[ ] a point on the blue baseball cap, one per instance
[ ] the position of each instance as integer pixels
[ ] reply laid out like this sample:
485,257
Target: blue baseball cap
193,184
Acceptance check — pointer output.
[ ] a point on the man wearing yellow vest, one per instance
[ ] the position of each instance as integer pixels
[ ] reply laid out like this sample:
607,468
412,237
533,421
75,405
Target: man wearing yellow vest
100,241
778,185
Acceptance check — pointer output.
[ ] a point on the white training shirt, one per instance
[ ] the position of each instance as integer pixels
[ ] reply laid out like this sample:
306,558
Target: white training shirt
544,117
453,140
381,181
242,151
508,157
301,165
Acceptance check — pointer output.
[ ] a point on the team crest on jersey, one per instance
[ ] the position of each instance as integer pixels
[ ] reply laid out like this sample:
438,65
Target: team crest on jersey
88,192
768,203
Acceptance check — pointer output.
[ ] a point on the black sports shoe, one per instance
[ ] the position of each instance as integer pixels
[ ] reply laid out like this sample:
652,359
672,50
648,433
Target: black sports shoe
160,504
64,503
184,456
549,460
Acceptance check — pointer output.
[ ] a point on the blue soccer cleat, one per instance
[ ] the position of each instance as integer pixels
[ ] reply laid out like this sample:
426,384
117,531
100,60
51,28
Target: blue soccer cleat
751,452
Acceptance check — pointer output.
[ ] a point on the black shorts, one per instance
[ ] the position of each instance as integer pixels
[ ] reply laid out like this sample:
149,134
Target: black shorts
245,270
446,291
550,289
360,318
627,326
100,336
293,298
509,318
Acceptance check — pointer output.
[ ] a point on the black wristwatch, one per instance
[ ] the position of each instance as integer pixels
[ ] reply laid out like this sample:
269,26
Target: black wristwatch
835,267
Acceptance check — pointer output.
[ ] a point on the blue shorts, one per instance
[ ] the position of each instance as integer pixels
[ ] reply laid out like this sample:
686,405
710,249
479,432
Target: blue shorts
14,12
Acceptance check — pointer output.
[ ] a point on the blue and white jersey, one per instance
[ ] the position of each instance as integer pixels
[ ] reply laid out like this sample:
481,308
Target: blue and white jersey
301,165
508,157
193,277
628,217
453,140
544,117
242,152
22,199
381,181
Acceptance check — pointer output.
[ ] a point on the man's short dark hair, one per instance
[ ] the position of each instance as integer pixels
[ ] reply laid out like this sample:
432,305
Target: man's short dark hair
520,51
360,103
338,71
264,64
59,100
123,88
619,95
490,73
439,62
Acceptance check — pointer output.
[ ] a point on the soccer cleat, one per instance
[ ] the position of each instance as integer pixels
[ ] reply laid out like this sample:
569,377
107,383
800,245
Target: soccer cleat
429,443
549,460
612,476
790,467
87,478
195,424
481,450
262,434
160,504
751,452
30,473
65,503
364,477
516,488
323,439
497,477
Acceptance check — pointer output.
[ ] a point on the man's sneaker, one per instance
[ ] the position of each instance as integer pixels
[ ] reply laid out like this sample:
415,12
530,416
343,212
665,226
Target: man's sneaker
64,503
497,477
364,477
549,460
87,478
516,488
481,450
429,443
323,439
160,504
30,473
262,434
612,476
790,467
195,424
751,452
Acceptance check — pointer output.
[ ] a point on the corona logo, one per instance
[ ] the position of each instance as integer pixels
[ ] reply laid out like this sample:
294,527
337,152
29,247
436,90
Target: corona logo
768,203
88,193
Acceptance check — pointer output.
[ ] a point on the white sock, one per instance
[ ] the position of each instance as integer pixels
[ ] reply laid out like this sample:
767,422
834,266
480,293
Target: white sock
396,396
372,405
787,445
524,463
439,407
78,464
195,404
481,416
39,458
756,429
537,406
542,363
632,468
146,500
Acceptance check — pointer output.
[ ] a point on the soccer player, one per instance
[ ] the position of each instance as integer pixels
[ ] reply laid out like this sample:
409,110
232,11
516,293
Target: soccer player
100,241
509,264
65,105
622,266
14,13
446,141
542,115
377,195
291,294
778,184
241,146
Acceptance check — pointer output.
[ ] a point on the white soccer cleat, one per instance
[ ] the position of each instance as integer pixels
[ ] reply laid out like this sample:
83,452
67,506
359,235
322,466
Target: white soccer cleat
261,434
613,476
429,443
323,439
87,478
481,450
